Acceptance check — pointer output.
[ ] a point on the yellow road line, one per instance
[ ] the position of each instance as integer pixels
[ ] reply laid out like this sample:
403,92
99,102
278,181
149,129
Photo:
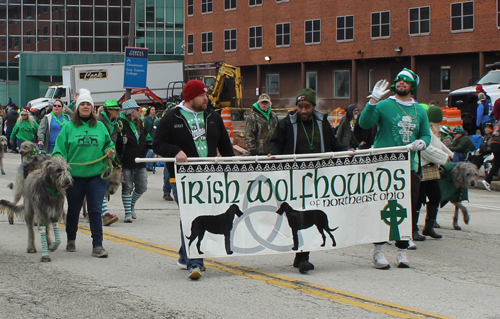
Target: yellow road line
334,295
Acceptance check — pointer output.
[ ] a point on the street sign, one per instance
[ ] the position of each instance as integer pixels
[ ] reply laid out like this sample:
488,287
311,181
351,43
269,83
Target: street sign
136,68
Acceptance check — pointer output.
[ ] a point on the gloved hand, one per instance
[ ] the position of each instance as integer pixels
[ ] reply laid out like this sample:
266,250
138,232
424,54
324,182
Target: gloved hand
418,145
379,90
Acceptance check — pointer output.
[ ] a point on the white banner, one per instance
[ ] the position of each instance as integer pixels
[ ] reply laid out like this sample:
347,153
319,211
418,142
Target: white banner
306,204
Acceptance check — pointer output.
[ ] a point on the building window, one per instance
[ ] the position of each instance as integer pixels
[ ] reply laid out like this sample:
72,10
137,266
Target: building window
420,20
273,83
381,24
283,34
207,42
280,1
28,38
255,37
190,44
16,43
313,31
370,80
445,78
45,32
341,84
312,80
206,6
190,7
345,28
57,29
28,12
229,4
254,3
230,40
462,16
3,43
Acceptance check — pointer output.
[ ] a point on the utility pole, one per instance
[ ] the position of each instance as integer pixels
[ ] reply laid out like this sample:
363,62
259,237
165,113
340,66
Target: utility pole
131,39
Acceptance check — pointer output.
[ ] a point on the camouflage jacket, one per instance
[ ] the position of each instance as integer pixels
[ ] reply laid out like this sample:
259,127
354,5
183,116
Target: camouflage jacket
258,132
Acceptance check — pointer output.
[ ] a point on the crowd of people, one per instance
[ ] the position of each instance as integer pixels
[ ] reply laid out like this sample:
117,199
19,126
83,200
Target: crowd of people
121,133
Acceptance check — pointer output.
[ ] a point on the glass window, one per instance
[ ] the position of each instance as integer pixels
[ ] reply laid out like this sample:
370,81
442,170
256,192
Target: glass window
255,37
283,34
312,80
445,78
190,7
273,83
341,84
190,44
381,23
230,40
345,28
462,16
207,42
313,31
420,21
254,3
206,6
229,4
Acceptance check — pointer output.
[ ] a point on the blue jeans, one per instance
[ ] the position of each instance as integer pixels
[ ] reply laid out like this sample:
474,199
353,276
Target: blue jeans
198,262
94,188
167,189
150,154
458,158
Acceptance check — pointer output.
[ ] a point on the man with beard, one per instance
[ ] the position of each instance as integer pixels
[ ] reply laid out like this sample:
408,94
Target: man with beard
303,131
191,130
260,126
401,121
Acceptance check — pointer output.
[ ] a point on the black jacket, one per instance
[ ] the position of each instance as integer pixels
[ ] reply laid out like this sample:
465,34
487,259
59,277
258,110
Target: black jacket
174,135
127,153
285,135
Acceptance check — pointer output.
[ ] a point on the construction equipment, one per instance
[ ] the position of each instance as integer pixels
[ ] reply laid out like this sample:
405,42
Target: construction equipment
218,93
155,99
174,91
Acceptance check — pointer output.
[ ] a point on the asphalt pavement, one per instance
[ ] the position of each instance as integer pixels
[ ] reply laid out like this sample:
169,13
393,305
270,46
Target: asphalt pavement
455,277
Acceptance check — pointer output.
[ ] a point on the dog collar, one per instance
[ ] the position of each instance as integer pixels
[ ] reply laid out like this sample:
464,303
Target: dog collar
52,190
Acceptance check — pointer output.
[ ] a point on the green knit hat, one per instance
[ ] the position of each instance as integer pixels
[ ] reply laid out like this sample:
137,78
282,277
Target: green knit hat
458,130
306,95
407,75
435,114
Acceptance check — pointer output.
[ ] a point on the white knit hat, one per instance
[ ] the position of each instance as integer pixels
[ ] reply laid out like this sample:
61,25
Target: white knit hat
84,96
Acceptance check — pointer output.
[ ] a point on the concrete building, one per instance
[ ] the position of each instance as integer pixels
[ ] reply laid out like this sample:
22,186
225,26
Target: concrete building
341,48
92,31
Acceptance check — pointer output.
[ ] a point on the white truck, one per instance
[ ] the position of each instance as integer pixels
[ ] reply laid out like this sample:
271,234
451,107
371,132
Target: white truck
105,82
465,99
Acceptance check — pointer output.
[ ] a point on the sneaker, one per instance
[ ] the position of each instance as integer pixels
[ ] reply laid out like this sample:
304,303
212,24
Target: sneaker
167,197
194,273
411,245
70,246
401,260
486,185
183,265
109,219
128,219
380,261
305,266
134,215
99,252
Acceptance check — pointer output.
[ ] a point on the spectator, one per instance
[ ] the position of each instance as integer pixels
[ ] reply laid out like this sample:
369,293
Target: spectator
495,149
85,140
496,109
484,111
345,134
445,135
150,124
109,117
202,137
10,121
135,177
461,145
9,102
260,126
51,125
401,121
485,149
26,129
303,131
2,120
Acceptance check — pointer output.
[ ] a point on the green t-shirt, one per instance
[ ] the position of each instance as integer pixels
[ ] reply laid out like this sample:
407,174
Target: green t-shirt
83,144
196,122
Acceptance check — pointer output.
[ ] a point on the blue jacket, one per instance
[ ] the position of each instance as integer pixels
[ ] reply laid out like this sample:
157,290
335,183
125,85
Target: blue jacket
484,110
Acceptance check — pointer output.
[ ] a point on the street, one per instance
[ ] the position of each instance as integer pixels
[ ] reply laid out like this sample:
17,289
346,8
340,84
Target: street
455,277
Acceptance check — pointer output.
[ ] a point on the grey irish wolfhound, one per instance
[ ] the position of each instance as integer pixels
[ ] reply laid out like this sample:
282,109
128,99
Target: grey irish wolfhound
3,145
23,171
47,188
27,150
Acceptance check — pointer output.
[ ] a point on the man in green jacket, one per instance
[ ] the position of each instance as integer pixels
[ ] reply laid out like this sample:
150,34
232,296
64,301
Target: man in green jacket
260,126
461,145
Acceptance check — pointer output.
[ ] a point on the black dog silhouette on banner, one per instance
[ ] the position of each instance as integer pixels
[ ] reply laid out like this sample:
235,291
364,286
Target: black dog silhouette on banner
218,224
304,219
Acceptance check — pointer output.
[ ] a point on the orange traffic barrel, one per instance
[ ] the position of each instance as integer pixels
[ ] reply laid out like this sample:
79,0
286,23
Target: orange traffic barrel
445,116
226,117
454,117
337,116
230,132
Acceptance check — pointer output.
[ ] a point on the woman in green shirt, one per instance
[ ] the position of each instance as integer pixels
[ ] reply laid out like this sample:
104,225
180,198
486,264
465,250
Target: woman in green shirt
26,129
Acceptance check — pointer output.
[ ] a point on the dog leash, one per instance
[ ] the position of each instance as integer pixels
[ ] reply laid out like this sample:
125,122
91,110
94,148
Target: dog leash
108,164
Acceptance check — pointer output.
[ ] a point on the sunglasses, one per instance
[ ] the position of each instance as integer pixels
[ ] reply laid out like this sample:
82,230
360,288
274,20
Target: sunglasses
57,105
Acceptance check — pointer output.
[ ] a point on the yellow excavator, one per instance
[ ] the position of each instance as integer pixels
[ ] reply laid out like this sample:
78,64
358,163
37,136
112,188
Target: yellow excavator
220,93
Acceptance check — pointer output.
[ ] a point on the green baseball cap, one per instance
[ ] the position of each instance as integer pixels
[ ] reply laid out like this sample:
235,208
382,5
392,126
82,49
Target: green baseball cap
112,104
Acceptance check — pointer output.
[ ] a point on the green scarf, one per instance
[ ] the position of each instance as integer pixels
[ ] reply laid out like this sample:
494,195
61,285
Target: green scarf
132,126
267,114
111,124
